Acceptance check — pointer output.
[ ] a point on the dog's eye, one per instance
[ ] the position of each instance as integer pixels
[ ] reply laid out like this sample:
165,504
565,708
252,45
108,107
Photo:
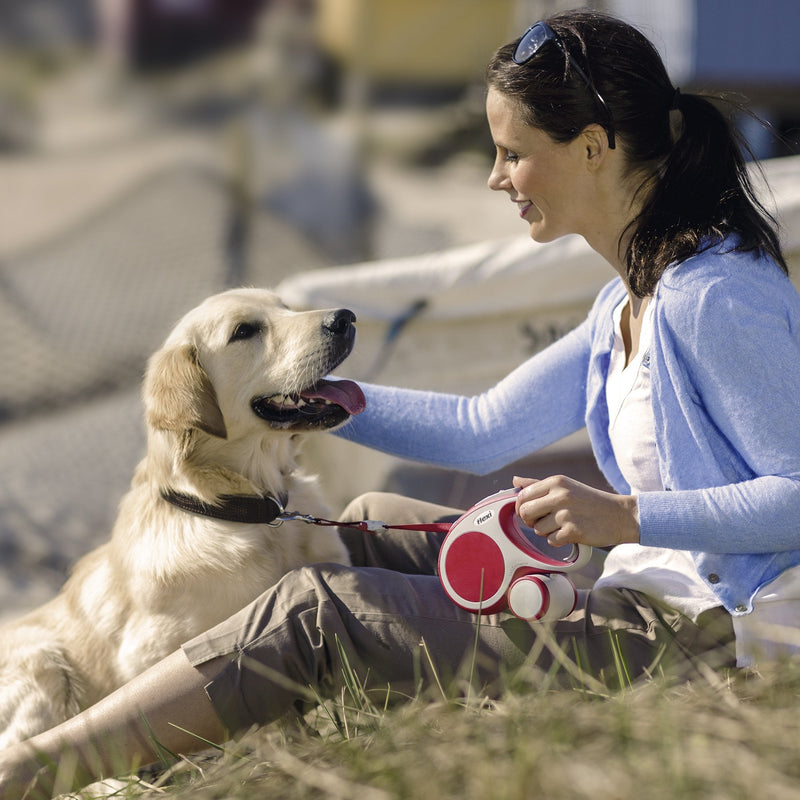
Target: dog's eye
244,330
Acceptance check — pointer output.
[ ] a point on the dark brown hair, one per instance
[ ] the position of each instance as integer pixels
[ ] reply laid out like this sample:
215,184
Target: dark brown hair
697,188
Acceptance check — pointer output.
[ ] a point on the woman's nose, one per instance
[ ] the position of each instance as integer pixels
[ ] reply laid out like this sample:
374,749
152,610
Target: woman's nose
498,178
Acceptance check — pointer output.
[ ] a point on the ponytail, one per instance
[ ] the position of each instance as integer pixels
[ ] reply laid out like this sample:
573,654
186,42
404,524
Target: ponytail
703,194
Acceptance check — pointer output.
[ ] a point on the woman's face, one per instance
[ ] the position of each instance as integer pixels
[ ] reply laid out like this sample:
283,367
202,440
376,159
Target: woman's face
545,179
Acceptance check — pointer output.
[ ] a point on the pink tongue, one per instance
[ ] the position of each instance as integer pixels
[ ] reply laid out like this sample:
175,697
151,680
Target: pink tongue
346,394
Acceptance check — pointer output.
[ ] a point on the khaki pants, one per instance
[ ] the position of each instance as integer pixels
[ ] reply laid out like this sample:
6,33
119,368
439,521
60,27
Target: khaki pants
397,627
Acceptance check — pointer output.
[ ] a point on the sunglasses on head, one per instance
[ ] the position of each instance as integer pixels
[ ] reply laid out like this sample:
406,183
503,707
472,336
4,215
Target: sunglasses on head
530,43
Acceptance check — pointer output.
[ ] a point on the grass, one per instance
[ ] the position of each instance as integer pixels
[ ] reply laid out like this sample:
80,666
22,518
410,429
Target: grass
725,737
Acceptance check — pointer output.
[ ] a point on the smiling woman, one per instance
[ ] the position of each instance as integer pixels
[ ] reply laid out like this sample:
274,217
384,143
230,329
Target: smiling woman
681,173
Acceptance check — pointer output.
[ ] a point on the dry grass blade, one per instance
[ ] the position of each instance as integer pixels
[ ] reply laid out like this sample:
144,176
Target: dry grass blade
324,780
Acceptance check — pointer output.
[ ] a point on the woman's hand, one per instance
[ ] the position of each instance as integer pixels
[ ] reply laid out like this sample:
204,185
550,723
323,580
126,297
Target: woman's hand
568,512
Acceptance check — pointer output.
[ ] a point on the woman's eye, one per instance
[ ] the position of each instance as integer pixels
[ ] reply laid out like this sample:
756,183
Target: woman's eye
244,330
512,157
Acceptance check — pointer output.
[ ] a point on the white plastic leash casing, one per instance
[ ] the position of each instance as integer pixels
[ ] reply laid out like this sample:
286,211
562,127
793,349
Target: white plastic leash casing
490,561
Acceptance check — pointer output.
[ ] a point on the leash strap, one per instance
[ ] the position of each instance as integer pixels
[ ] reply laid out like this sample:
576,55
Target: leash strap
271,511
369,525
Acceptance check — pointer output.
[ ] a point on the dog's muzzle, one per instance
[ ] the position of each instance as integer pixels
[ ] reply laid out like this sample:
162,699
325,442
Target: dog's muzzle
327,403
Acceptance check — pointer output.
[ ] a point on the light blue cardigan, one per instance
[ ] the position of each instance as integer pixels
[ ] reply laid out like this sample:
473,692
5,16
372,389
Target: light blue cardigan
725,365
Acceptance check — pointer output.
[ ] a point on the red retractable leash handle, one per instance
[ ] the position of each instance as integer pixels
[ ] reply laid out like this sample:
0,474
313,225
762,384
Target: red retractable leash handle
490,560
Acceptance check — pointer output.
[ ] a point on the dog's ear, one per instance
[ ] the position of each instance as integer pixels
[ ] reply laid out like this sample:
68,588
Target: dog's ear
178,394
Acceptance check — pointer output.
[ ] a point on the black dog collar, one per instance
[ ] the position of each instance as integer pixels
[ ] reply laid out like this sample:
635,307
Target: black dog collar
231,508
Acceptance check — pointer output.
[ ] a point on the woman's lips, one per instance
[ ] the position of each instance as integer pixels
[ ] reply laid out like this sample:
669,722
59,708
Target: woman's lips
523,208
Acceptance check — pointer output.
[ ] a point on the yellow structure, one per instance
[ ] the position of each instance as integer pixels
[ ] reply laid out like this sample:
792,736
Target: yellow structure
424,42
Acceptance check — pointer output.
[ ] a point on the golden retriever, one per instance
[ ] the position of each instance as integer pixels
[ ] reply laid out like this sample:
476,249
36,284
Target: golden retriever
227,401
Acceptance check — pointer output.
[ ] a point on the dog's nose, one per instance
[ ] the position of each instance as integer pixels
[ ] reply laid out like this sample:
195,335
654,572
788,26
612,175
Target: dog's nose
339,322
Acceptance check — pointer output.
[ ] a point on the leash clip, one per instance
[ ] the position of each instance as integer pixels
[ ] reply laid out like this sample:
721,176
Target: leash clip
368,525
292,516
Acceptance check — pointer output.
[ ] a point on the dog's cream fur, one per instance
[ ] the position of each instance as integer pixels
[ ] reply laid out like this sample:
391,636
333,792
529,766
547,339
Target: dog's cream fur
166,574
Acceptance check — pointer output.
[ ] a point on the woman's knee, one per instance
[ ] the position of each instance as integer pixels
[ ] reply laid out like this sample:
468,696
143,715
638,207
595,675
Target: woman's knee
306,586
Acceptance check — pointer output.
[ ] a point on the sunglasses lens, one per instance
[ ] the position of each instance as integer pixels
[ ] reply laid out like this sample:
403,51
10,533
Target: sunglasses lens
538,35
531,41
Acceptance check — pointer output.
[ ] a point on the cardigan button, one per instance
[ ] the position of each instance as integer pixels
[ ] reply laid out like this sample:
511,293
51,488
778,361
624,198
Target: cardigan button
713,578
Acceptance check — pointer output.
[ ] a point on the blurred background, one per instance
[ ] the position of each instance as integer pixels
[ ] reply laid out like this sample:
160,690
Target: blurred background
153,152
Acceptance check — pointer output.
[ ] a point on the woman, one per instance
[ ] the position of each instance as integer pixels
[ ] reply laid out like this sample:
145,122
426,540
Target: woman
701,320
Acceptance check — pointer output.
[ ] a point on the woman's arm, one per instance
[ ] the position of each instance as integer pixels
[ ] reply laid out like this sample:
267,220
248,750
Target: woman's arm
538,403
731,329
757,516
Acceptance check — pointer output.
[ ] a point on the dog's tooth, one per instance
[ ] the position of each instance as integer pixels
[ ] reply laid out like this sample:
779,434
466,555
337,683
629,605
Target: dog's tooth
283,400
295,401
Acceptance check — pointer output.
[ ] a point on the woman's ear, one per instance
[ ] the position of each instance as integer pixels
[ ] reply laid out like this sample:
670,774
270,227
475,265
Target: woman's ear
595,145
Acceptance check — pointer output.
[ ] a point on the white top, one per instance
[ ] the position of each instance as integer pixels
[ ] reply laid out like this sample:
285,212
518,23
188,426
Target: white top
667,574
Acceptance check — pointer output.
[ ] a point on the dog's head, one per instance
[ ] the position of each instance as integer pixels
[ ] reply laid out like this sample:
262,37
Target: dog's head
242,359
